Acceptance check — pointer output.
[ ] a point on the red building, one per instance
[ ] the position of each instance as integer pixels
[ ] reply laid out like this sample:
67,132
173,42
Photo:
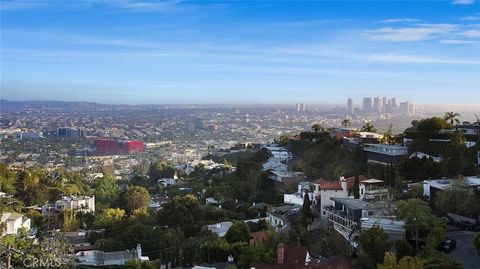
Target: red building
113,147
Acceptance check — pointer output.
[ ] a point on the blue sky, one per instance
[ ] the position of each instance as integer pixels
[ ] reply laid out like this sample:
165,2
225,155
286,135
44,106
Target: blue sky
144,52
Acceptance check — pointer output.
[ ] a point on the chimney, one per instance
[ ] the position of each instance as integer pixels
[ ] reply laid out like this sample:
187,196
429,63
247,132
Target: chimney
139,251
280,253
343,183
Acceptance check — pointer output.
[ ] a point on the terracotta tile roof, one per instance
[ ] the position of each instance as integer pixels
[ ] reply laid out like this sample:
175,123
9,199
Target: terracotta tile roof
336,185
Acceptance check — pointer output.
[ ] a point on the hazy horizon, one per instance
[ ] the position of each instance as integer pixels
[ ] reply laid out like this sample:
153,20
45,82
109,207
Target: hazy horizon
218,52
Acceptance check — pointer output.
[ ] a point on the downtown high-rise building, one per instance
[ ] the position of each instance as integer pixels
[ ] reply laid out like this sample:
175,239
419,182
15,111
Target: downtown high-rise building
350,106
367,104
377,105
300,107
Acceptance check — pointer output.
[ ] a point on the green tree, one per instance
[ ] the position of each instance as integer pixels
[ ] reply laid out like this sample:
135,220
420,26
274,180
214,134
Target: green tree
407,262
215,249
317,127
368,127
161,169
134,199
238,232
69,222
283,140
417,216
182,212
106,190
433,125
356,187
109,216
452,117
347,122
455,156
457,199
476,242
7,180
373,245
249,255
307,215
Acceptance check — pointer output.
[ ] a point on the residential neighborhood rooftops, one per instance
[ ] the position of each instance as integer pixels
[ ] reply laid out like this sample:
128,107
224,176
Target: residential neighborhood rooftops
337,184
352,203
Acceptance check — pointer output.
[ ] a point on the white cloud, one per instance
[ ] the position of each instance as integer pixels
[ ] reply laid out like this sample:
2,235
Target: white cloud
415,33
463,2
416,59
456,41
470,18
398,20
470,33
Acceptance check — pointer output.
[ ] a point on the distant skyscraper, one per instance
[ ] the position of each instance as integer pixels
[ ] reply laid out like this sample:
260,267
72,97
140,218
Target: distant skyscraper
350,106
302,107
367,104
411,109
384,104
403,108
377,105
298,107
394,105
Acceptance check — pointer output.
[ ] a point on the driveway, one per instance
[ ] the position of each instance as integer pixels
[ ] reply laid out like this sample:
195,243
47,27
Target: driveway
465,251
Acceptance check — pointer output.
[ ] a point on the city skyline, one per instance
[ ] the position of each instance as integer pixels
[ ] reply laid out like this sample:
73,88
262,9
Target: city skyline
148,52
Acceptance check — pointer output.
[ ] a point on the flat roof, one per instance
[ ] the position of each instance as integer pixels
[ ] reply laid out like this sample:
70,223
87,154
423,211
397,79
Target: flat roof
373,181
352,203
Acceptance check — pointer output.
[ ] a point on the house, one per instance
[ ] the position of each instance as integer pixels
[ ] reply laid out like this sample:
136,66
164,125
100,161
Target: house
102,258
286,179
220,228
346,214
274,166
385,154
395,229
374,190
13,222
84,204
468,128
78,241
431,187
167,182
280,217
279,154
297,198
288,257
258,238
343,188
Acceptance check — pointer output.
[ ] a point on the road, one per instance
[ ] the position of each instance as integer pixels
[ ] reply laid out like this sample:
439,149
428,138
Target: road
465,251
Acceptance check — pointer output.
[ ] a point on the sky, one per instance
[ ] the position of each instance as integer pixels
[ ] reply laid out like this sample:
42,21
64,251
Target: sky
240,52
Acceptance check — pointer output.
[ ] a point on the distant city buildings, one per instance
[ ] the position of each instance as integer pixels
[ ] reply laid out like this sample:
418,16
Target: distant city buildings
350,106
300,107
114,147
379,105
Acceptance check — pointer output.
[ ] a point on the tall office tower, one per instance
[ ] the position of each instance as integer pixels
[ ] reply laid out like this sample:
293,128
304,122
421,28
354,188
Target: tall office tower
403,108
411,109
302,107
298,107
384,104
394,105
377,105
367,104
350,106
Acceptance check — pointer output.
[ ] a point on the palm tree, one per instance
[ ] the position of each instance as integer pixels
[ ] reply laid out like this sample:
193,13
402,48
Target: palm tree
452,117
317,127
346,122
368,127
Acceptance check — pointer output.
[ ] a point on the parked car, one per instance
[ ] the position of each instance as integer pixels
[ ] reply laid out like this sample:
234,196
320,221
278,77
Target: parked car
448,245
466,225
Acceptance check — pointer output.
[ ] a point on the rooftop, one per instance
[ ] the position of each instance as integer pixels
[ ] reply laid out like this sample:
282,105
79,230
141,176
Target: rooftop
352,203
